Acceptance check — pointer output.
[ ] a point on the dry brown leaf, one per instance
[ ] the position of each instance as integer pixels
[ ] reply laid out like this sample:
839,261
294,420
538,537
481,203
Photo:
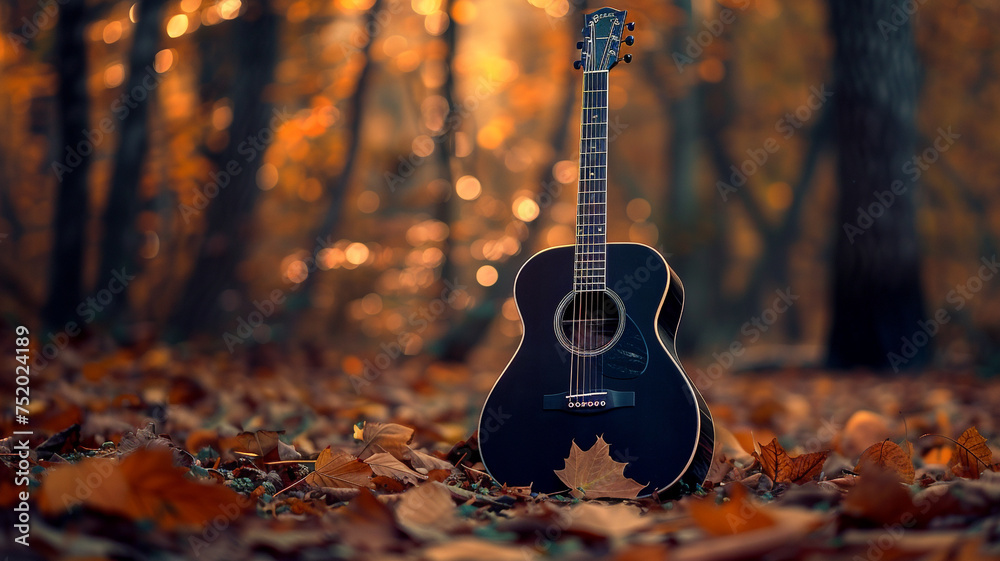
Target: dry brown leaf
972,454
606,521
860,429
387,437
774,461
422,461
474,549
366,524
339,469
144,486
593,474
807,466
384,464
738,514
887,456
427,512
878,498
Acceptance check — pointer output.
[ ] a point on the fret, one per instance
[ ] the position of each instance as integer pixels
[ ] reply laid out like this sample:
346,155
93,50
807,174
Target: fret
589,268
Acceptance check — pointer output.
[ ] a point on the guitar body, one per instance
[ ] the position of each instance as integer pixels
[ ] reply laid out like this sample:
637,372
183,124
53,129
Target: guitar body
641,401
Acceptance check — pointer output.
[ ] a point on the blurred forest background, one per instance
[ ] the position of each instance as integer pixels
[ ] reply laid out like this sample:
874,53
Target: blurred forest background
363,178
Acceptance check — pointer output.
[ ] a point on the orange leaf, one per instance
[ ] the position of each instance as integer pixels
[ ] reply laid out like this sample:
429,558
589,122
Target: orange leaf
593,474
339,469
887,456
972,454
388,437
774,461
144,486
739,514
878,497
807,466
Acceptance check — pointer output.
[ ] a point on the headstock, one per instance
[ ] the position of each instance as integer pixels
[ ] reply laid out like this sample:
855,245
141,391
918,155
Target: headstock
602,39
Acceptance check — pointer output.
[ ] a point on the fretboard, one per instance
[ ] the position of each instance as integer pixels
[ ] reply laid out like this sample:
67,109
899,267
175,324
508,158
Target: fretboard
591,207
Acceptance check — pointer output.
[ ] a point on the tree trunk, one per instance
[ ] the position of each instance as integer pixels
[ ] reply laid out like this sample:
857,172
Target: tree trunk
877,296
121,239
230,213
72,162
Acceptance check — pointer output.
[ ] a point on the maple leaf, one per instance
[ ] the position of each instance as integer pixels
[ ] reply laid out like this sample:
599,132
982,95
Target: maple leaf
144,486
782,468
972,454
384,464
739,514
774,461
593,474
887,456
339,469
388,437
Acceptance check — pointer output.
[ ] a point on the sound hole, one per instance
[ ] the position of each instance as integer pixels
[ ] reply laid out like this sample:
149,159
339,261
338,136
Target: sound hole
588,322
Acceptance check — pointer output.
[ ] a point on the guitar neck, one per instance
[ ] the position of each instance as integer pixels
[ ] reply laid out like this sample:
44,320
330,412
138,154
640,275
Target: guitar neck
592,193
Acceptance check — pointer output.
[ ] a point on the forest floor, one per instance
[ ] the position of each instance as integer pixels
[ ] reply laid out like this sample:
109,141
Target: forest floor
162,455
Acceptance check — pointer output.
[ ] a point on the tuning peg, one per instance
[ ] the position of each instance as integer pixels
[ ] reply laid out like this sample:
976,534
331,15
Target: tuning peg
579,44
630,25
627,58
629,40
577,64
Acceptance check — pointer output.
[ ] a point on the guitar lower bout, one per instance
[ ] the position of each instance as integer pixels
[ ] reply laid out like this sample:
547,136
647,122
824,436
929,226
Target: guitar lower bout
598,363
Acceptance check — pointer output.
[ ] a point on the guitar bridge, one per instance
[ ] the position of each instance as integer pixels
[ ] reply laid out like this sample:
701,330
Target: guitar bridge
590,402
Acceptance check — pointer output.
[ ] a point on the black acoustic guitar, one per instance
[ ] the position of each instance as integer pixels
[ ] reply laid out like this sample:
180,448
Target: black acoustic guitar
597,355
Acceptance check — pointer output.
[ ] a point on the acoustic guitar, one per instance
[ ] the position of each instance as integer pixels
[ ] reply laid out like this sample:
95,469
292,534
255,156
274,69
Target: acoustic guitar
597,355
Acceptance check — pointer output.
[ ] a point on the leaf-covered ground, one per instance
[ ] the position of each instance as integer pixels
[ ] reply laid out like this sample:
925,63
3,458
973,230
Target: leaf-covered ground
160,455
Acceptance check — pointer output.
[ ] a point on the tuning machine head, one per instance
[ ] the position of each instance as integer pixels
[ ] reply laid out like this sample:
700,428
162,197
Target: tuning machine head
631,26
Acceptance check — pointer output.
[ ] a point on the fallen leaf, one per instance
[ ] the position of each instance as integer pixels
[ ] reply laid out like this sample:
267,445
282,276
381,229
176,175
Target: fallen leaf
593,474
384,464
886,456
422,461
388,437
972,454
264,446
339,469
807,466
740,513
862,428
427,512
606,521
144,486
878,499
774,461
367,524
472,549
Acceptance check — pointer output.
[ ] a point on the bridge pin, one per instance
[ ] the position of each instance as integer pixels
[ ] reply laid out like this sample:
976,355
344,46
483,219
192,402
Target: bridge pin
603,403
